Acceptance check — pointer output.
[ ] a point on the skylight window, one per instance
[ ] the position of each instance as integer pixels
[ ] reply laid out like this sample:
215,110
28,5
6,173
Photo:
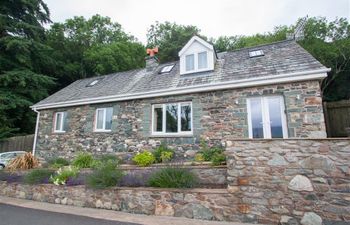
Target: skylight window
93,83
256,53
167,69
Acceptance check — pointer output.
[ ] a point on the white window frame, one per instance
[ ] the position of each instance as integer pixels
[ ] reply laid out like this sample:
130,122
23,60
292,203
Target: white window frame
60,128
266,116
103,121
179,132
196,66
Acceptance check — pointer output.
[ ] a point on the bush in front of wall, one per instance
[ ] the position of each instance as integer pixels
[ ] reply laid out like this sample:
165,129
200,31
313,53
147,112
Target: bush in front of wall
38,176
107,175
23,162
163,154
144,158
173,177
58,162
218,159
199,157
63,174
104,159
83,160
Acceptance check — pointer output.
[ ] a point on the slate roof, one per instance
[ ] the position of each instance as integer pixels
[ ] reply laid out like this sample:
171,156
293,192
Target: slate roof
279,58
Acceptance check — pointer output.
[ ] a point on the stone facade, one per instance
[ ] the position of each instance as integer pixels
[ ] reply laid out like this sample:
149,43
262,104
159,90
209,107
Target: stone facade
289,181
217,116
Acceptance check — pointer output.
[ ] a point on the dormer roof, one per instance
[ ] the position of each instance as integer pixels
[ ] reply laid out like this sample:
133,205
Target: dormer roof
193,39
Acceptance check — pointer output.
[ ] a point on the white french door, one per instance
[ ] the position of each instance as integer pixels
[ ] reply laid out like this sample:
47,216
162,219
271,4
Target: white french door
266,117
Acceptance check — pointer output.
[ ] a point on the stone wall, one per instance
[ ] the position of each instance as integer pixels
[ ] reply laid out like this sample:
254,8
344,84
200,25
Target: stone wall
291,180
217,116
209,204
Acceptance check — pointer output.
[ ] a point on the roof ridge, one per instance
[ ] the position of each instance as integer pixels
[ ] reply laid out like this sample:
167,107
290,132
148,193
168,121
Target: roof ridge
257,46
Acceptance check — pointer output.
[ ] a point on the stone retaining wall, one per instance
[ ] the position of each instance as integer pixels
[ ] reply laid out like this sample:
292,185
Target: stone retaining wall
288,180
209,204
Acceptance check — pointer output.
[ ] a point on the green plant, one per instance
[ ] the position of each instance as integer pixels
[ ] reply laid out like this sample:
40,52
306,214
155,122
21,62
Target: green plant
163,154
209,152
217,159
144,159
37,176
104,159
173,177
107,175
63,174
199,157
83,160
58,162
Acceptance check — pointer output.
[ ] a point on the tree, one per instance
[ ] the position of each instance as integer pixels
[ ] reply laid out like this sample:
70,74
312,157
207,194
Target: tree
170,38
23,58
90,47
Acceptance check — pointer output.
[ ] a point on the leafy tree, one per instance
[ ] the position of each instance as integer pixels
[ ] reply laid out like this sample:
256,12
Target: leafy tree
170,38
23,58
89,47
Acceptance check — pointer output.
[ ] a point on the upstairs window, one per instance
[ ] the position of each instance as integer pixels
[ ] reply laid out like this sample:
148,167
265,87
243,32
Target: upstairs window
190,62
202,60
172,118
103,120
60,122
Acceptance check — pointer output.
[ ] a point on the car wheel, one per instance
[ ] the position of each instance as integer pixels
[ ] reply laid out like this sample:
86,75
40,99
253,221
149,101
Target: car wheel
2,167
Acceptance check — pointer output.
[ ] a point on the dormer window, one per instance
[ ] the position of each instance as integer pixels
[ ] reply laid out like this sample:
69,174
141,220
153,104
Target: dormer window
202,60
190,62
197,56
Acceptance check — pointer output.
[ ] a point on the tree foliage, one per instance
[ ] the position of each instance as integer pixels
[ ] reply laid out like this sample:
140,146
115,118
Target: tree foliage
23,58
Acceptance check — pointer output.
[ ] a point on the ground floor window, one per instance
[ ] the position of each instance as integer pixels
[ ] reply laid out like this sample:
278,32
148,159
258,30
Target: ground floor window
103,119
172,118
60,123
266,117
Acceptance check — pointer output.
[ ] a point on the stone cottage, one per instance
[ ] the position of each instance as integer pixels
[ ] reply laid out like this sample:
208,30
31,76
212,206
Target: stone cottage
267,91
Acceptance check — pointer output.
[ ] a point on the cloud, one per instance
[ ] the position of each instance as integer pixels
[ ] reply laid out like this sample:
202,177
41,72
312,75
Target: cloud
214,18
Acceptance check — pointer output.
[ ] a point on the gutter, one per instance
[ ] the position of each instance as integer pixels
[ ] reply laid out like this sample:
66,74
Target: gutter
266,80
36,130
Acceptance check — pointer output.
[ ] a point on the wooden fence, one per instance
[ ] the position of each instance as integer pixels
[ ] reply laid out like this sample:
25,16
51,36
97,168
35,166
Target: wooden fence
19,143
337,116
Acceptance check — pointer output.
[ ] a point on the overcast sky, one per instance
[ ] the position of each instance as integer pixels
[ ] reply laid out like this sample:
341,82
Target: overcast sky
214,18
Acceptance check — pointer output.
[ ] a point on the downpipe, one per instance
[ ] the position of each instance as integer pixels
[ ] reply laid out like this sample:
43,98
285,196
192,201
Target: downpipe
36,130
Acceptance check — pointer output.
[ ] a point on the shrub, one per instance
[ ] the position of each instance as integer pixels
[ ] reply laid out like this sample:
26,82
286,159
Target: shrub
62,175
172,177
104,159
163,154
10,177
209,153
23,162
135,179
58,162
38,176
83,160
218,159
108,175
144,159
199,157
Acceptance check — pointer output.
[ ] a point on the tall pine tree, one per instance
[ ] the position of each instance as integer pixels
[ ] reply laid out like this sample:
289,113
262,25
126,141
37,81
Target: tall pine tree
23,59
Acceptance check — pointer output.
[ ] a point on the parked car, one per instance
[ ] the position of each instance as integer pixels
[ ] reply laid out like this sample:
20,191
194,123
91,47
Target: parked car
6,157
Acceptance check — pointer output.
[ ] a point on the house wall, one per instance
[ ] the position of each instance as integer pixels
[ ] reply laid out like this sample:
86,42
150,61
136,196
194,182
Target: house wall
217,116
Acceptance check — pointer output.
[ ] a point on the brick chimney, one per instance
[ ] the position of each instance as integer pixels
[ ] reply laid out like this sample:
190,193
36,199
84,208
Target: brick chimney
152,61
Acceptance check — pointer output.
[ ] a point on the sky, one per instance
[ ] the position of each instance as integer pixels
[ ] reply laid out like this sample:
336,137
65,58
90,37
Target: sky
214,18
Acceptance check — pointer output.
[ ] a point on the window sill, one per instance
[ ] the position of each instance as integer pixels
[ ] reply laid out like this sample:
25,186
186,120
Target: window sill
59,132
172,135
102,131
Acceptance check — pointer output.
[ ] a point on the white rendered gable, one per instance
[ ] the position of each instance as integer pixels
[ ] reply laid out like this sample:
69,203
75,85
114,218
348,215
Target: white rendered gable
198,52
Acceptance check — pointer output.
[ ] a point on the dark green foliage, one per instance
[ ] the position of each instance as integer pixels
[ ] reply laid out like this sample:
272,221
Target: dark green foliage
214,154
173,177
83,160
58,162
38,176
23,59
107,175
161,153
105,159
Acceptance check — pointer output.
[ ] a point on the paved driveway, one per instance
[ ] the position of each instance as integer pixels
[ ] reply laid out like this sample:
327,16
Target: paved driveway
14,215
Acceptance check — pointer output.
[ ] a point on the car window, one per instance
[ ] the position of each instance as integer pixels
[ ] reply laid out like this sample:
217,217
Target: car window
7,155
